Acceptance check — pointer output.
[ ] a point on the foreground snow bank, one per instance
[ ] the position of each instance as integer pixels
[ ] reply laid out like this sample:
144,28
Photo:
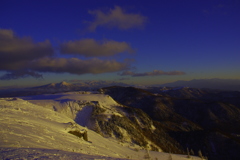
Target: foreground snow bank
30,131
43,154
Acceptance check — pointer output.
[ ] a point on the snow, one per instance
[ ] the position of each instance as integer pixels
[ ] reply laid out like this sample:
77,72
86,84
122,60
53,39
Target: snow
104,100
31,129
65,84
43,154
76,105
82,117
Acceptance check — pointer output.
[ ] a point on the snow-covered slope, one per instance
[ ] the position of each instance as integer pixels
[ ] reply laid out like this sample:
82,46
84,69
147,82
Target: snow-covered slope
100,113
76,105
31,129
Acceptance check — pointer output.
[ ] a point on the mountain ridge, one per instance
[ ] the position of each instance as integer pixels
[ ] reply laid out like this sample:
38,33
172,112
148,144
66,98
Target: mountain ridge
161,119
214,83
195,118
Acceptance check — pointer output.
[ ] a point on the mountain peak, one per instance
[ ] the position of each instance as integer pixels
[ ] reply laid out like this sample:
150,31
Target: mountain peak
52,84
63,83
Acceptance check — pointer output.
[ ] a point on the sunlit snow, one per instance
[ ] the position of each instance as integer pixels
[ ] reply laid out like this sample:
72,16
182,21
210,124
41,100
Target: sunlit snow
38,126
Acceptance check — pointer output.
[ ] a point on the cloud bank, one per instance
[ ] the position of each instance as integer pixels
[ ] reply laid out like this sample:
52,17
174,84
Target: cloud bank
92,48
35,68
20,74
116,18
21,57
76,66
15,52
153,73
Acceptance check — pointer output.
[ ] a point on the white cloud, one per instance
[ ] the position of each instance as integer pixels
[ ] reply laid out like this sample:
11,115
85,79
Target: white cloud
116,18
92,48
76,66
15,51
21,57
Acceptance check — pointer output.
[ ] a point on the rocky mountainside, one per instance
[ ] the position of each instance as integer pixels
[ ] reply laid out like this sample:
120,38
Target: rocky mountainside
99,112
205,120
161,119
47,127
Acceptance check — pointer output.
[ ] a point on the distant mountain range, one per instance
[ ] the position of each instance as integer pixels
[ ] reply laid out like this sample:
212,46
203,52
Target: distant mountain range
58,87
197,119
219,84
65,86
215,83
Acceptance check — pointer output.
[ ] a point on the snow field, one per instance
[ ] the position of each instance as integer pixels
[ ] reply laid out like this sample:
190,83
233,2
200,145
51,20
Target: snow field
32,129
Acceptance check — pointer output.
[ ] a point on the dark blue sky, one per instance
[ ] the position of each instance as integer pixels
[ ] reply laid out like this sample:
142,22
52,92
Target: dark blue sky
143,42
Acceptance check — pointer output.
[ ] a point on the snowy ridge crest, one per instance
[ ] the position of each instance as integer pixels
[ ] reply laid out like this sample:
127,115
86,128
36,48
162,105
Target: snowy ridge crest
41,124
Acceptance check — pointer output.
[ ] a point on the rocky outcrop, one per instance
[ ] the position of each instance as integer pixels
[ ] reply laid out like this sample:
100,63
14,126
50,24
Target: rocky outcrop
206,120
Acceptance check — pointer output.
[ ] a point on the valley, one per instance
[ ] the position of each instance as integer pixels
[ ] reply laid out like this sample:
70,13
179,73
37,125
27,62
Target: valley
123,122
